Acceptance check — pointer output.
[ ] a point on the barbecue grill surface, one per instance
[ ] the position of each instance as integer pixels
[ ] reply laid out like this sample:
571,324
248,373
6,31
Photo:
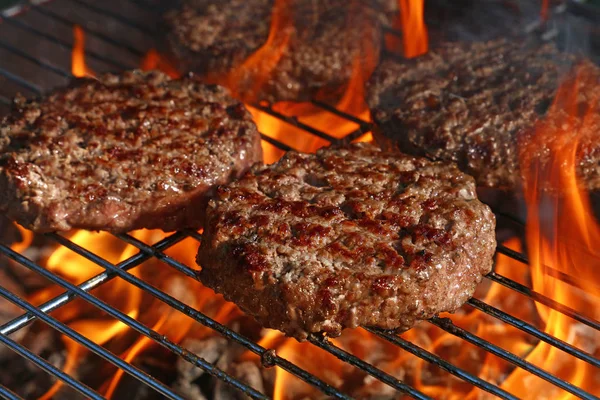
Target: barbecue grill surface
35,46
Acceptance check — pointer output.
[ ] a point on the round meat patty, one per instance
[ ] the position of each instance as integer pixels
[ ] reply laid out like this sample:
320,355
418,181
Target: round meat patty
213,38
346,237
123,152
467,103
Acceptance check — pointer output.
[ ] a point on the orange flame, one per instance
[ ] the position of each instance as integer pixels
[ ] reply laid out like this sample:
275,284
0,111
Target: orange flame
351,102
153,60
562,232
414,31
77,269
26,239
544,12
257,68
78,64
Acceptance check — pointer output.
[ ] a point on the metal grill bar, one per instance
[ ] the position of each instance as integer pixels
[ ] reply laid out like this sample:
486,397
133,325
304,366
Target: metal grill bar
325,344
132,323
294,121
20,81
440,362
196,315
116,17
447,325
35,60
8,394
145,5
275,142
540,298
522,258
65,45
92,283
47,367
269,358
364,125
88,30
530,329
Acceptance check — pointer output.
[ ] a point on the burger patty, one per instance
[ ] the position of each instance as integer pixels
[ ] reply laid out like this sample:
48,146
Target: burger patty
214,38
123,152
345,237
467,103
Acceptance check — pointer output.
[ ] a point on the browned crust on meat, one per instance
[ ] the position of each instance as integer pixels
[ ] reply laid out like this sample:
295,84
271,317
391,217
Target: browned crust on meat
326,38
467,103
347,237
130,151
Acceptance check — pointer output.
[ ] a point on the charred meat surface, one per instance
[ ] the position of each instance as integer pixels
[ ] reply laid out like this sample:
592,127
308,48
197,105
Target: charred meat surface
315,47
467,103
345,237
129,151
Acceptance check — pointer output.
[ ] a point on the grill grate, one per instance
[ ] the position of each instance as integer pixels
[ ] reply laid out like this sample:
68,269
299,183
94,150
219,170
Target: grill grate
51,72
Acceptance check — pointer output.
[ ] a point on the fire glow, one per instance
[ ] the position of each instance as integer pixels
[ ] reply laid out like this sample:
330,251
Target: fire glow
548,252
562,232
411,22
544,12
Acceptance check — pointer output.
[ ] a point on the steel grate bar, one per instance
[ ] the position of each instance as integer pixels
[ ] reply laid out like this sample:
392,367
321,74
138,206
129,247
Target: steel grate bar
324,343
88,285
82,340
366,125
275,142
65,45
47,367
192,233
205,320
509,217
295,122
515,255
440,362
20,81
115,16
447,325
6,393
354,135
568,311
533,331
132,323
147,6
88,30
392,31
34,60
522,258
154,253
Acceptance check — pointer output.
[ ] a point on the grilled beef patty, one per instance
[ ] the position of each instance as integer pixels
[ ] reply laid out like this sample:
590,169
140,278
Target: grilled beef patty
347,237
123,152
467,103
213,38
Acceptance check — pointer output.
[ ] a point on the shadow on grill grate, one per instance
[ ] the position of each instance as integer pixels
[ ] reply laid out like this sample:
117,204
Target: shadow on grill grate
35,54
